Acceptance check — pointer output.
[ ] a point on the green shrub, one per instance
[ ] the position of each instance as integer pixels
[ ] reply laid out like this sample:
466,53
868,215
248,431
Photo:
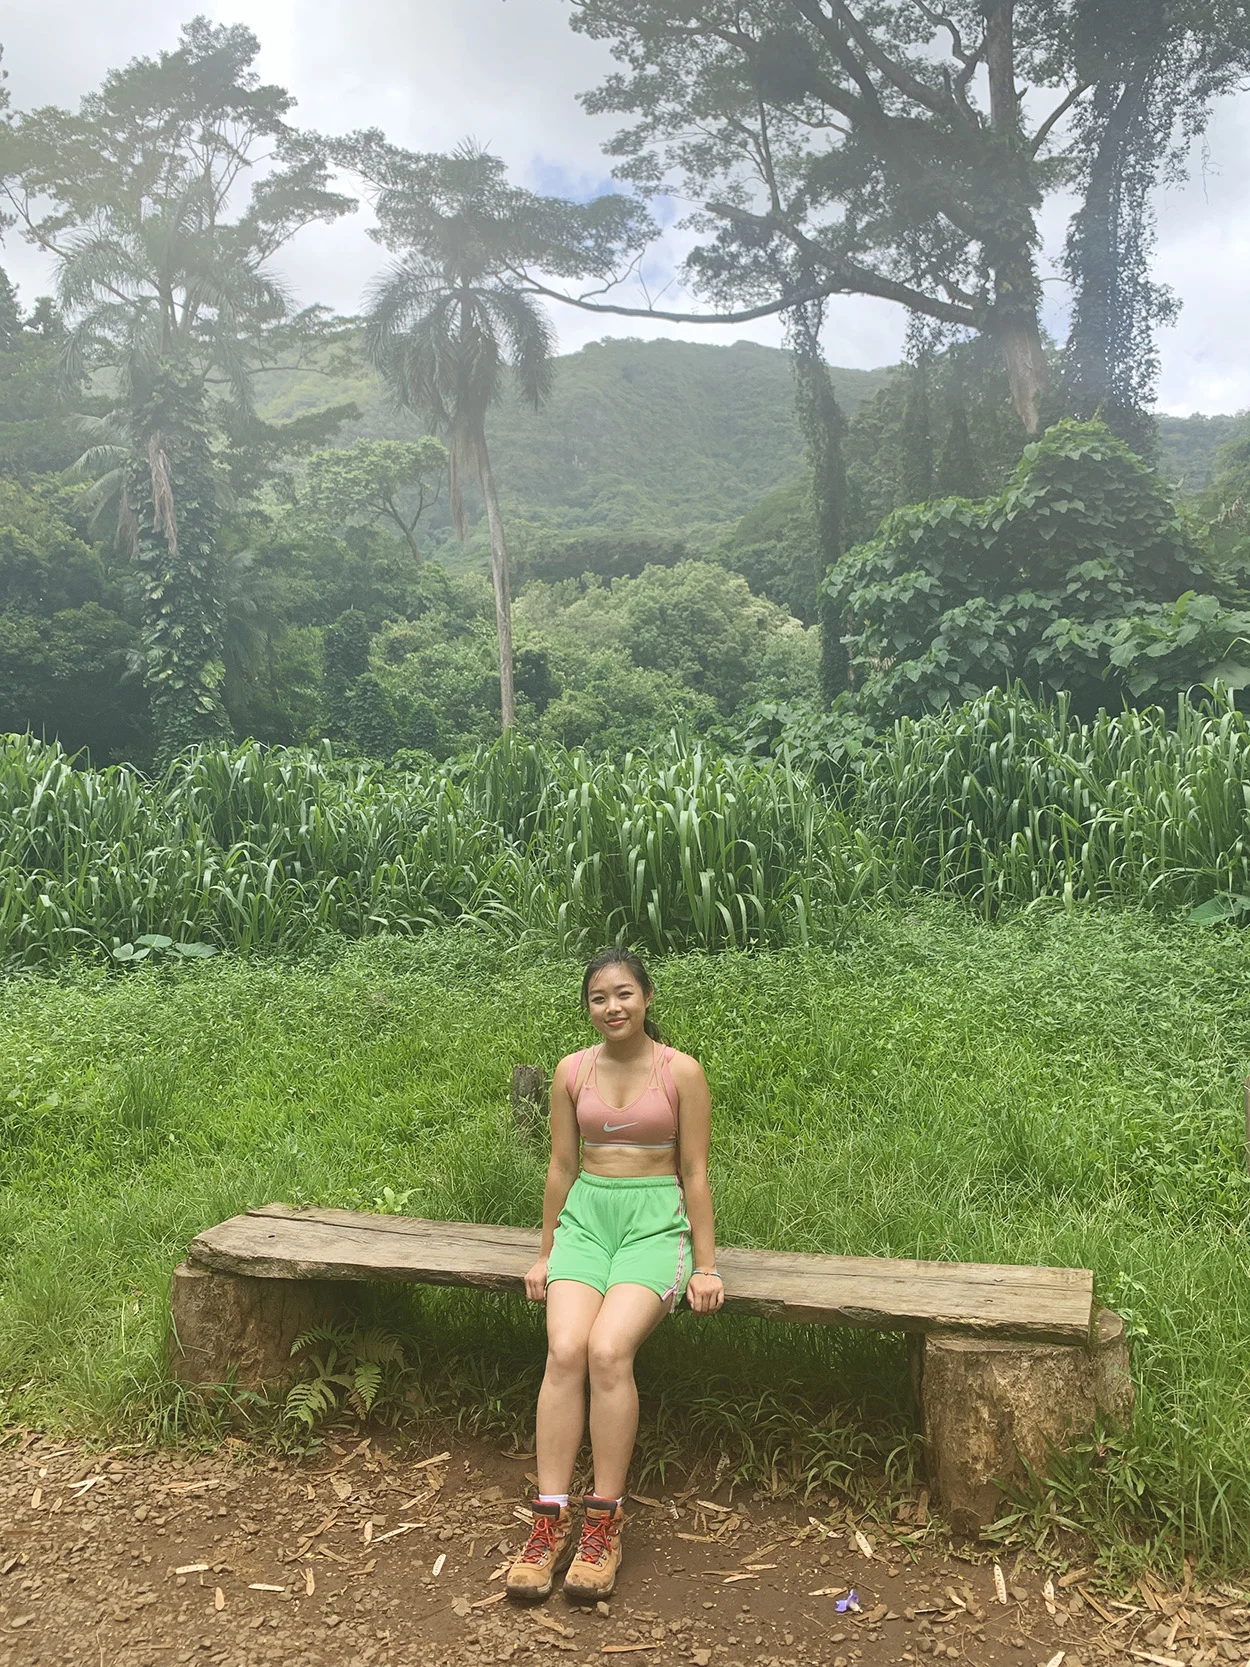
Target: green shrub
1079,577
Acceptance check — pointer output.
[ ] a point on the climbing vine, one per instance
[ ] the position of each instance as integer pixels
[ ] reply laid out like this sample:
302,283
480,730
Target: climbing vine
171,517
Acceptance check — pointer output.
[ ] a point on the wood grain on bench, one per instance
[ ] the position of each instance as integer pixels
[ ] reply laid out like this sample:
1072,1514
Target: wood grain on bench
1053,1305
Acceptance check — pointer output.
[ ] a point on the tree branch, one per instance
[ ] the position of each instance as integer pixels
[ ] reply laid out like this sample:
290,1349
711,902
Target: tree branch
1057,114
845,278
900,78
939,20
815,292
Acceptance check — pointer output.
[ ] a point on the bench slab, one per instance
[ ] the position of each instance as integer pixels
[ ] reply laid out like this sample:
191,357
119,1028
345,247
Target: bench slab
1040,1305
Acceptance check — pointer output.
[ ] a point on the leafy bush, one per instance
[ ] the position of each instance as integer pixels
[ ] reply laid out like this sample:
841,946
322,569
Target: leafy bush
64,637
1080,577
694,624
602,666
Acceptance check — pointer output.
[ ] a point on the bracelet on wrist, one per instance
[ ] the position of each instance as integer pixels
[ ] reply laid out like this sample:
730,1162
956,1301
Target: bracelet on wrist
710,1273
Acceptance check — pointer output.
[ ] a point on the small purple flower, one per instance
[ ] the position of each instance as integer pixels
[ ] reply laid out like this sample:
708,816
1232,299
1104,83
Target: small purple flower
850,1601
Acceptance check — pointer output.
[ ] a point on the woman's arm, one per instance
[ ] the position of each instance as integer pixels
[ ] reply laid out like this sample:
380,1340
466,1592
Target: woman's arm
561,1173
705,1292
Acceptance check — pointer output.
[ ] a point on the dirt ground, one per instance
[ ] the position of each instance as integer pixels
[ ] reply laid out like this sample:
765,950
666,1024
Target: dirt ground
386,1555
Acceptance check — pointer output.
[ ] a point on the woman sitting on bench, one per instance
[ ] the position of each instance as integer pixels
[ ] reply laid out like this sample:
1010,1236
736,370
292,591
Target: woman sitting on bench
617,1255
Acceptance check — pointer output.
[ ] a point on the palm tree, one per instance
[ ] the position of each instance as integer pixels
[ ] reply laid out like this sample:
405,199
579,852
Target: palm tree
448,325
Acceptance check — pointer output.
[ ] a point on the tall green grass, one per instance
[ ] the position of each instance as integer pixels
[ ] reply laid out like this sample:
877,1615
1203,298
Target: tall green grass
1000,802
1061,1088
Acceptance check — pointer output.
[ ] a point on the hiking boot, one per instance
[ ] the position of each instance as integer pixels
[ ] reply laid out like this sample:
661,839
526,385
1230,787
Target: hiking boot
592,1573
543,1555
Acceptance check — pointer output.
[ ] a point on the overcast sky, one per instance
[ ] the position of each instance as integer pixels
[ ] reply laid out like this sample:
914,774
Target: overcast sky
507,72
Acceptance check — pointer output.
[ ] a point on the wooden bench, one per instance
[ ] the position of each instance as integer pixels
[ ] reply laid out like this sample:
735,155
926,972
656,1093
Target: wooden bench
1007,1362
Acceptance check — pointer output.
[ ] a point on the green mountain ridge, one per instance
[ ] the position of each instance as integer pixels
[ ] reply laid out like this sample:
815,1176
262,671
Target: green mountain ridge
671,435
674,437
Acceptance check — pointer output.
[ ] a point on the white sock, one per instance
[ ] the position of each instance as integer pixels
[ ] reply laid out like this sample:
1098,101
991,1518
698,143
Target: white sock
560,1499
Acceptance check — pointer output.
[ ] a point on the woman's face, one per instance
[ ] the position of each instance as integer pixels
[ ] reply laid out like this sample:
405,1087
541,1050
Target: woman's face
617,1005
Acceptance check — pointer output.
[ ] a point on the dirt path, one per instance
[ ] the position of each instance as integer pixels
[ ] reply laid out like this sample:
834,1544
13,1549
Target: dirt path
369,1557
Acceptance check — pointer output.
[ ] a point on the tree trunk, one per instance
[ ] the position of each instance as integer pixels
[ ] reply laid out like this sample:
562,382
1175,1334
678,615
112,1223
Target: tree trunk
392,511
175,530
993,1408
413,546
501,582
1111,363
1017,294
823,426
1020,341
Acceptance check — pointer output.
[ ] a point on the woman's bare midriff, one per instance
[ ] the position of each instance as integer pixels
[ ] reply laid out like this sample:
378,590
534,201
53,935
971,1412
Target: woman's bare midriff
619,1160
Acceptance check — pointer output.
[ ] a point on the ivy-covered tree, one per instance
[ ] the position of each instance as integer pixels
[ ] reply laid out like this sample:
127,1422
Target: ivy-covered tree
961,426
959,472
166,281
918,458
390,481
346,660
1152,71
373,720
824,427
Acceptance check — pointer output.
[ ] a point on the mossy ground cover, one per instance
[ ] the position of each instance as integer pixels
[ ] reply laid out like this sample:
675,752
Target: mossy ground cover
1059,1088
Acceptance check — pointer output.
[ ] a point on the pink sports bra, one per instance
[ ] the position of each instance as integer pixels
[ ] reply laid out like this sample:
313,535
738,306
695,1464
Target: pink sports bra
649,1120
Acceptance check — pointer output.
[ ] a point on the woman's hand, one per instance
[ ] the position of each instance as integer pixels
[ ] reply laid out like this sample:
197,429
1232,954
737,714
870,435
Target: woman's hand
705,1293
536,1281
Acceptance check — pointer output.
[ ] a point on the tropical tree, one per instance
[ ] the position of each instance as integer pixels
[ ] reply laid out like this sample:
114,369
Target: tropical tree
377,480
170,303
905,150
450,325
36,431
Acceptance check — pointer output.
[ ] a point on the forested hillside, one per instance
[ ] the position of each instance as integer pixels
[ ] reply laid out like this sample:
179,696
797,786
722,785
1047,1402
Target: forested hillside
1188,446
670,435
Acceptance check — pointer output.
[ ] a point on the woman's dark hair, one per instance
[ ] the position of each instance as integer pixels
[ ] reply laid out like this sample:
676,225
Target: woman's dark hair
618,957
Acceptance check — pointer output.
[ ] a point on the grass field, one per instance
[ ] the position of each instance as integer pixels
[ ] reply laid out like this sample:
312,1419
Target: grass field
1063,1087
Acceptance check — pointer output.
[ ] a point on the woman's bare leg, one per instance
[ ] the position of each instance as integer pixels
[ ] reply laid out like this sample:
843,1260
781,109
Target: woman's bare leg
628,1315
571,1312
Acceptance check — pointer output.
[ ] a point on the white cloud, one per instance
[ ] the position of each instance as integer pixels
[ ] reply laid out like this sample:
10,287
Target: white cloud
1204,255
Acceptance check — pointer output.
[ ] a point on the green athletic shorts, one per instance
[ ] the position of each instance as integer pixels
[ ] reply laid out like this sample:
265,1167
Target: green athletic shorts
624,1230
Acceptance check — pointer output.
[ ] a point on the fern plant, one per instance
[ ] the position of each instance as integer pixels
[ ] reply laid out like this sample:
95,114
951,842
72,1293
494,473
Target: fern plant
360,1369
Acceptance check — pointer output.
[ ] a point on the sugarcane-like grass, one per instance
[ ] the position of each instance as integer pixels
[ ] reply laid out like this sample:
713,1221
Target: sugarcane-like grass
1059,1087
999,804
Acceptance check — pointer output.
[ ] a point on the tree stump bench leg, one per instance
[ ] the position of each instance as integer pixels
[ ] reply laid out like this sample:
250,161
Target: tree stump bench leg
228,1321
988,1407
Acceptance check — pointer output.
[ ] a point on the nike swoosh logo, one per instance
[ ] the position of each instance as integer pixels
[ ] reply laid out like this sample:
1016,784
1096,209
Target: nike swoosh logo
611,1128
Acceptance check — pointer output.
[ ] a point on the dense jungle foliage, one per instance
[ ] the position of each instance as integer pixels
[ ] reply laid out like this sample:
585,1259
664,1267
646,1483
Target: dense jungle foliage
632,610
